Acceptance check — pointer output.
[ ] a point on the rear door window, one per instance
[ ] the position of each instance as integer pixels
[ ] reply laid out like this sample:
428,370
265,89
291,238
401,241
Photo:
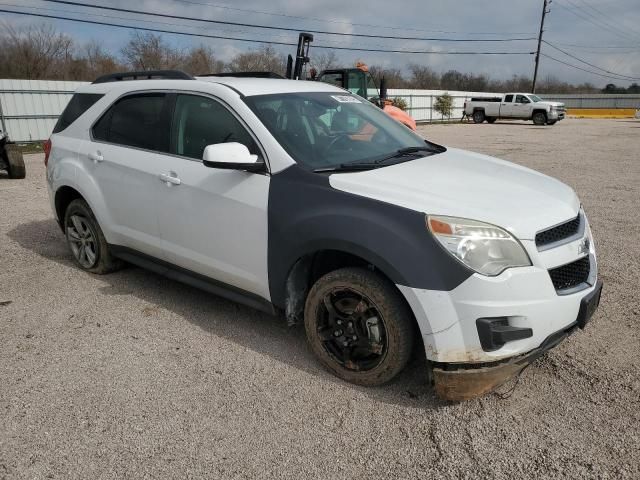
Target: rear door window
140,120
79,103
201,121
508,99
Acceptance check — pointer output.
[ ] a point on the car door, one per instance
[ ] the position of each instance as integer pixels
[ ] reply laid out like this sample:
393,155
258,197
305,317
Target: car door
506,107
213,221
521,107
121,156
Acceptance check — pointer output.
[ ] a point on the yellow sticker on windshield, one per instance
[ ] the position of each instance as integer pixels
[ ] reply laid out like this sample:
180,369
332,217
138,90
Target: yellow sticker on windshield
345,99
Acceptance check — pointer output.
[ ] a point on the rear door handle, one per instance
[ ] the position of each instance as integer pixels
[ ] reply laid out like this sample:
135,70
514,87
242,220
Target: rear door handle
170,178
96,157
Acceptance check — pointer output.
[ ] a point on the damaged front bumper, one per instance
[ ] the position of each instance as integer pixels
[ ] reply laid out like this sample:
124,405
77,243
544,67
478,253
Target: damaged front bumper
463,381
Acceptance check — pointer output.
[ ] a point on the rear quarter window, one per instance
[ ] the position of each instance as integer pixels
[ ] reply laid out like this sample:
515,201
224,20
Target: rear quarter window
79,103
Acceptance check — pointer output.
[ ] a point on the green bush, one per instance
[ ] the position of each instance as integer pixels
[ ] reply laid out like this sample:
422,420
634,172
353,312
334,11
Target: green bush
444,105
399,102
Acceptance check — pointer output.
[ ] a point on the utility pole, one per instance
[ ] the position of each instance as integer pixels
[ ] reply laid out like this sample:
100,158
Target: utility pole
545,4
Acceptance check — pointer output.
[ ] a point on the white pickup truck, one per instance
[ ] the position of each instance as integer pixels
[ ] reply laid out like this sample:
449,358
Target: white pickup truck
523,106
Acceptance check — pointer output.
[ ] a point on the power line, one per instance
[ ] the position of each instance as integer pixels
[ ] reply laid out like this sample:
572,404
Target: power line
252,40
599,47
590,19
580,68
270,27
605,16
590,64
340,22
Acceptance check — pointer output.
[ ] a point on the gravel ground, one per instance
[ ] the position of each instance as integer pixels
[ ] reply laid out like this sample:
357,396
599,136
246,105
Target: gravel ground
131,375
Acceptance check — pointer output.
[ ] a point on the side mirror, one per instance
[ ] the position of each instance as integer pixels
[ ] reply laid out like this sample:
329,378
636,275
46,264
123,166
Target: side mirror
231,156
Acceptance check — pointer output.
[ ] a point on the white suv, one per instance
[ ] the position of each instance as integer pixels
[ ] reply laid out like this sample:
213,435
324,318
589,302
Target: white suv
299,197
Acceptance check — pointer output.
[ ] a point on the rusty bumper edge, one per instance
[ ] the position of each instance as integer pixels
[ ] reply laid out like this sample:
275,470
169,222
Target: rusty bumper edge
469,381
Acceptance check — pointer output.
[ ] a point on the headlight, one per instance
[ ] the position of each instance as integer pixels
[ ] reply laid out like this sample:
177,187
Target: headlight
485,248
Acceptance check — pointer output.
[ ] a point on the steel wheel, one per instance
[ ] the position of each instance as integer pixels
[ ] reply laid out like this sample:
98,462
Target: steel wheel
82,241
352,330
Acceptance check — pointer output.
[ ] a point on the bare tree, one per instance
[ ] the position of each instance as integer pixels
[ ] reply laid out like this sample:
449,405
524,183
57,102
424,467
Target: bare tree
201,60
99,61
325,61
34,52
146,51
423,77
265,59
393,76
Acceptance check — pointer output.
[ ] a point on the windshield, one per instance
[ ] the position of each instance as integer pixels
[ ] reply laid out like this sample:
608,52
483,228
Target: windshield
327,130
535,98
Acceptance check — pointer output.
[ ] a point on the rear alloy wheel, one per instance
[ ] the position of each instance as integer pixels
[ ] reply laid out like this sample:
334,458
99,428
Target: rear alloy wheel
86,240
478,116
539,118
358,326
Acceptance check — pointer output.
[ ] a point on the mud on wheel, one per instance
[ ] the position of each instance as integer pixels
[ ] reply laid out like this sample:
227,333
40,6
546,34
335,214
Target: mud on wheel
358,326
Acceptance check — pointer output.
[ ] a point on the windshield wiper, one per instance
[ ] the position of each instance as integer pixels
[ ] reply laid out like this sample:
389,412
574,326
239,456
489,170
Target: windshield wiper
349,167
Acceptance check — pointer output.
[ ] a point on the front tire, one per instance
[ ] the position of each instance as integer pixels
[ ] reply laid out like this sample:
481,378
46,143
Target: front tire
478,116
359,326
86,240
539,118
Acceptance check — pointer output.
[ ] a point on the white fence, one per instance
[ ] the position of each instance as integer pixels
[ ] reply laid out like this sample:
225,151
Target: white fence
29,108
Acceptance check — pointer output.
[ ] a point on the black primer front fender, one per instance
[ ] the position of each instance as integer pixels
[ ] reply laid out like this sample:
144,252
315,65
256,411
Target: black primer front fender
307,215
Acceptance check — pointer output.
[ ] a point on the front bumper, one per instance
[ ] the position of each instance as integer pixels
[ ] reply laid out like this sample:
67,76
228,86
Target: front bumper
457,382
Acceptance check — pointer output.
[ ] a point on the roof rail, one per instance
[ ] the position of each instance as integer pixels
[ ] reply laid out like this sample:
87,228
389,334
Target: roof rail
243,74
144,75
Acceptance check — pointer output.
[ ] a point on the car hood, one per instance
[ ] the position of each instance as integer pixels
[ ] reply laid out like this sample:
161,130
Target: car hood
469,185
553,104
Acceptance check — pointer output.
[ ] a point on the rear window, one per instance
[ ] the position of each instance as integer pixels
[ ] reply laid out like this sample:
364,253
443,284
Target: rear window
79,103
140,120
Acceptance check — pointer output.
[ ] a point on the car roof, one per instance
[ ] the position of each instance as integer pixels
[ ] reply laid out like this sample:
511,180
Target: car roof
244,85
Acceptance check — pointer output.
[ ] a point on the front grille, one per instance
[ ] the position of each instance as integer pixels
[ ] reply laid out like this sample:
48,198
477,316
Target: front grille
558,233
570,275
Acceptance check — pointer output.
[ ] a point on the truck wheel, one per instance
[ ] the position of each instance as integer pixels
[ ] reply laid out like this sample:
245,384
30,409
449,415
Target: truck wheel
478,116
491,119
551,122
14,161
539,118
86,240
358,326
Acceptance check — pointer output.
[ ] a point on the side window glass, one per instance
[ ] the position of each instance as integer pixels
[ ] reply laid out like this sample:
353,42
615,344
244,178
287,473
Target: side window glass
138,121
200,121
356,84
79,103
332,78
522,99
508,98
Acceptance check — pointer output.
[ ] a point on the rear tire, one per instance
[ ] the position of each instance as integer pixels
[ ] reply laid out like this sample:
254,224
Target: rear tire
478,116
491,119
15,162
539,118
86,240
359,326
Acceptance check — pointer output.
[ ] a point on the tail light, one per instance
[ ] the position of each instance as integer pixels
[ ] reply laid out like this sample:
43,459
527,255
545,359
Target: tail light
47,150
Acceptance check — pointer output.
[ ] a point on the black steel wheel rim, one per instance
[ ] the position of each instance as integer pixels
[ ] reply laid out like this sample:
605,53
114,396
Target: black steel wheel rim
352,329
82,240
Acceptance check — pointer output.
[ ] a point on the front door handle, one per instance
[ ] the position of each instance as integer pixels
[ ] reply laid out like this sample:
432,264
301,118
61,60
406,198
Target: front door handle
96,157
170,178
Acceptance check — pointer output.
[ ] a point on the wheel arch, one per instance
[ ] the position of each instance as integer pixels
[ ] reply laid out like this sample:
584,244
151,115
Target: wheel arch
63,197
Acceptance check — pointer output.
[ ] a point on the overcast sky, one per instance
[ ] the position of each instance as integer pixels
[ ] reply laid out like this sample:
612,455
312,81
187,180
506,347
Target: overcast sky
586,29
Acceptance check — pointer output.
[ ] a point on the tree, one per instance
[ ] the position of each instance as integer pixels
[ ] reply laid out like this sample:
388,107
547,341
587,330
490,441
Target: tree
393,76
423,77
325,61
36,51
147,51
201,60
444,105
266,59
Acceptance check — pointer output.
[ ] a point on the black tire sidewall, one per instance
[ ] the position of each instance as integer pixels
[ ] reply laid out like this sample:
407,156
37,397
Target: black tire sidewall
539,115
478,116
15,162
397,318
103,263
